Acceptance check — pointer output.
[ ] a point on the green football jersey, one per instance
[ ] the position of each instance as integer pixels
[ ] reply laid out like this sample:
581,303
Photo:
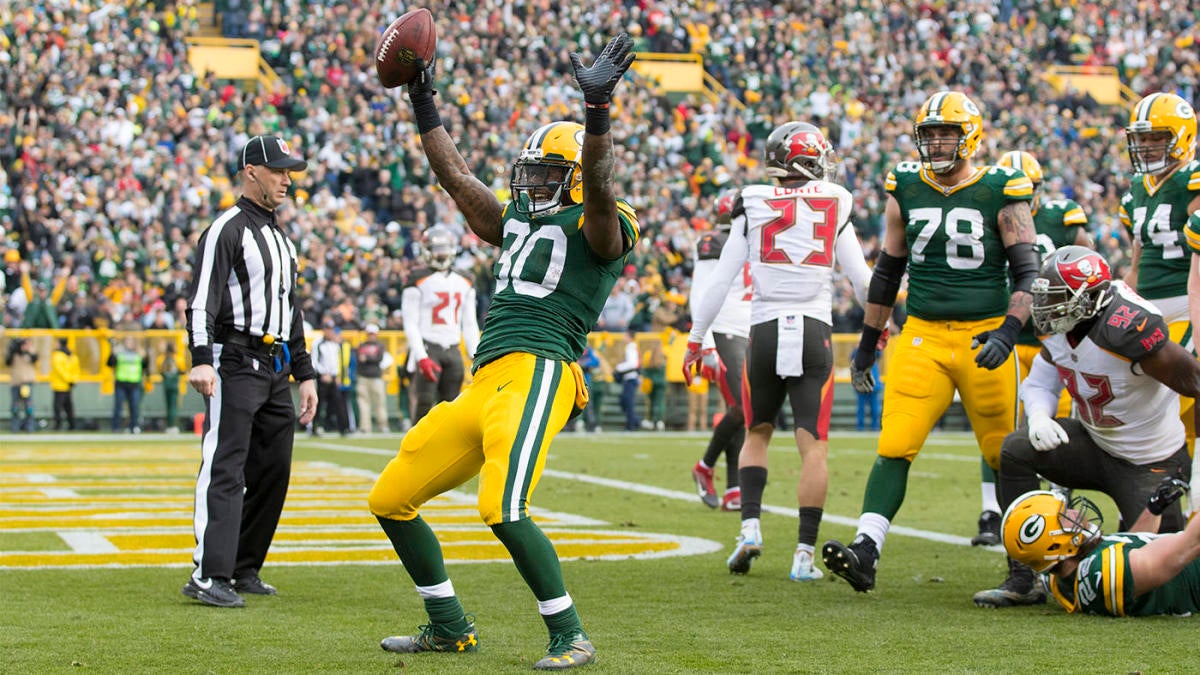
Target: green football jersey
1155,217
1058,223
957,265
550,285
1104,585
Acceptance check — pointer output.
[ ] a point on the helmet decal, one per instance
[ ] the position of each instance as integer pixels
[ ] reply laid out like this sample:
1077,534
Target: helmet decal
1032,528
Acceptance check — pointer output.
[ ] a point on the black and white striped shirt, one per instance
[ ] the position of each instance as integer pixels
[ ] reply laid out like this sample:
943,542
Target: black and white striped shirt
244,281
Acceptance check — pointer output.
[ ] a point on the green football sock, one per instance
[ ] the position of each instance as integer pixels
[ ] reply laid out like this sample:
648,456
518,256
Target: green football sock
418,549
886,487
534,557
566,621
448,615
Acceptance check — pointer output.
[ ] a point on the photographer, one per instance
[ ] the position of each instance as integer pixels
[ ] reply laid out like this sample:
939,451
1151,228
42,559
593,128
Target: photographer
20,358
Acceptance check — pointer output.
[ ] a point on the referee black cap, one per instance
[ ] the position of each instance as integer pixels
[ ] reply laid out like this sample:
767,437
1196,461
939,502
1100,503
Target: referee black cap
271,152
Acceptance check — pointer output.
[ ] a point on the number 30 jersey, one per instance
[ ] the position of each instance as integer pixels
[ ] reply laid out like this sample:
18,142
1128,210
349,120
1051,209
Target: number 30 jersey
957,265
794,235
550,285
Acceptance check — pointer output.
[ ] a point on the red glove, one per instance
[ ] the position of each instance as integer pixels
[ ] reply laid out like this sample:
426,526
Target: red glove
711,367
881,344
690,359
429,369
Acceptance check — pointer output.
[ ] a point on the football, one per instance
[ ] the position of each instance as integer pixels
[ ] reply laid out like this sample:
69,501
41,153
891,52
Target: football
408,38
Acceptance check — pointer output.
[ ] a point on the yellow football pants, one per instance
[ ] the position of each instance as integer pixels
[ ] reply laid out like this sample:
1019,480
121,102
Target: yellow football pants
931,360
499,427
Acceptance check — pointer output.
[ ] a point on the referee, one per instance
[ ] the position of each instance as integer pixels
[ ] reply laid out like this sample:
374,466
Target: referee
245,331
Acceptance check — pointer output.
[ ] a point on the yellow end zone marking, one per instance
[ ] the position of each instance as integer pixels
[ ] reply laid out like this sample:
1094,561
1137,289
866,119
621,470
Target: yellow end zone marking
133,507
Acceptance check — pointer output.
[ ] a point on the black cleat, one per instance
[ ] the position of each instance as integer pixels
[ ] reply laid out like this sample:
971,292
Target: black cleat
253,585
1022,587
855,563
989,529
213,591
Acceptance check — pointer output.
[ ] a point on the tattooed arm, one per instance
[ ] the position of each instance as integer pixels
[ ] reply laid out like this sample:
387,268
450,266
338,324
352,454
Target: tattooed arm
478,204
600,224
1018,234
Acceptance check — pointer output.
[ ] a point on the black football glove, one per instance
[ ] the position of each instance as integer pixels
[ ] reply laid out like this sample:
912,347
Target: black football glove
422,84
597,83
1168,492
997,344
861,377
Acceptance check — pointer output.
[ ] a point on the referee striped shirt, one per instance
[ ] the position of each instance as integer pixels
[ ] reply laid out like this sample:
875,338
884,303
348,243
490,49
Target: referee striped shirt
244,281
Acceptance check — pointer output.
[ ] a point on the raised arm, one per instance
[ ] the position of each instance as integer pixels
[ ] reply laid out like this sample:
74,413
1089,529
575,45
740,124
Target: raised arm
601,226
479,205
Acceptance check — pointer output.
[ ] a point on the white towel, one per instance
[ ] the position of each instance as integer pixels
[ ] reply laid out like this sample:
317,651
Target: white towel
789,357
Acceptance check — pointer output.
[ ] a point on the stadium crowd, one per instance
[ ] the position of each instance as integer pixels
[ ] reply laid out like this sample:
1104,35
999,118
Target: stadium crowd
114,153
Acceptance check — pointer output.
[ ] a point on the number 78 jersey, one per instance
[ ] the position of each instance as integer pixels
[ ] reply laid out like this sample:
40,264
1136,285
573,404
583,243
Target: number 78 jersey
957,265
791,233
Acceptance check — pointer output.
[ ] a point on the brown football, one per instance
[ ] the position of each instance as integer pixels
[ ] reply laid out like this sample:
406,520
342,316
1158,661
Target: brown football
408,38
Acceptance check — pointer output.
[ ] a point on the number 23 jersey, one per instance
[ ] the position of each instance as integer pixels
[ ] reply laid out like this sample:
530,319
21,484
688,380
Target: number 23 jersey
957,265
550,285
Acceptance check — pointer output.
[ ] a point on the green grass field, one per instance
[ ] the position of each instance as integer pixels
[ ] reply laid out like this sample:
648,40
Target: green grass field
608,501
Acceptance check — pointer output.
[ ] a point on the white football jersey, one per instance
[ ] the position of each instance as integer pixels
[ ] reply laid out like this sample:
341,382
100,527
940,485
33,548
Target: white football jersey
1128,413
440,308
793,235
734,315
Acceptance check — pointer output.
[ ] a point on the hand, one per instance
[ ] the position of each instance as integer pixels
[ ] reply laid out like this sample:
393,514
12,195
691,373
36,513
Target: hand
308,401
429,369
203,379
861,377
711,367
997,344
1046,434
597,83
690,359
422,84
1167,493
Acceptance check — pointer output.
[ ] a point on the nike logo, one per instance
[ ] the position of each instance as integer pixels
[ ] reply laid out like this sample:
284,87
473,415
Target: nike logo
203,583
503,385
1142,325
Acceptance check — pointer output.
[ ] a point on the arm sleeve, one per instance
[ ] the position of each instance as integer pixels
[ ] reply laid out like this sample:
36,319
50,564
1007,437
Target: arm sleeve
702,271
410,309
854,265
470,324
1040,390
211,269
733,257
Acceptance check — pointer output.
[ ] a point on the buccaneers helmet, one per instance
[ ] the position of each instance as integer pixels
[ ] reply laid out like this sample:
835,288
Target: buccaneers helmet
948,109
800,150
723,216
1042,528
1071,286
441,247
1161,133
547,174
1027,163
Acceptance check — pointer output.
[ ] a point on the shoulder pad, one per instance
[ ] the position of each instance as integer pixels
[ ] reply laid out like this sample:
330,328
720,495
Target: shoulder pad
1129,327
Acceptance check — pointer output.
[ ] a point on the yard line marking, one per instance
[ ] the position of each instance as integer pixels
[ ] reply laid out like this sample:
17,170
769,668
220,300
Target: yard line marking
59,493
87,542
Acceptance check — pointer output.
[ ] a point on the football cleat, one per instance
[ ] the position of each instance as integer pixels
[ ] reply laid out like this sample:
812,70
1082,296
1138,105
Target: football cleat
855,563
254,585
213,591
433,638
1022,587
989,529
567,650
748,548
704,485
732,501
803,568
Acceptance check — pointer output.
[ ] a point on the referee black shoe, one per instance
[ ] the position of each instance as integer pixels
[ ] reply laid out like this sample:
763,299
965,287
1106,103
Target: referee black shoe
253,585
213,591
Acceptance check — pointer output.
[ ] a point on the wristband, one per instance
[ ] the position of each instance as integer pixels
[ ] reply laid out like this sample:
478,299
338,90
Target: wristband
596,121
425,111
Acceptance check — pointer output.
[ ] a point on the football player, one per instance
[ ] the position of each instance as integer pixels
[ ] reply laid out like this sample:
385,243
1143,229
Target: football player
1163,193
563,240
1058,222
439,321
960,230
1125,574
724,355
791,233
1110,349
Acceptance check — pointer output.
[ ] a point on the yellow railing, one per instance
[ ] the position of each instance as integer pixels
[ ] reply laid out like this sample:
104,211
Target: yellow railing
231,58
1102,83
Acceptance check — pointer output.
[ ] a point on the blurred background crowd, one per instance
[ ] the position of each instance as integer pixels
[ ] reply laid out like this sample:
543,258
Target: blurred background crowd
114,155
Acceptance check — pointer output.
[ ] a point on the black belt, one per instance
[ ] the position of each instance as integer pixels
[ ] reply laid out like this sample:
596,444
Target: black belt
253,343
